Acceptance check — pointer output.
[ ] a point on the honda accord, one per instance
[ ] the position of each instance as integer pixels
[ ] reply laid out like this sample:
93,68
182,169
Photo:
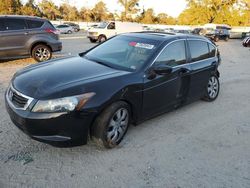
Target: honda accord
125,80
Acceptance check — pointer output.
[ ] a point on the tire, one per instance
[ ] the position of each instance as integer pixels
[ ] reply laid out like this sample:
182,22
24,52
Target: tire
69,32
92,40
41,53
216,39
212,89
102,38
111,125
226,38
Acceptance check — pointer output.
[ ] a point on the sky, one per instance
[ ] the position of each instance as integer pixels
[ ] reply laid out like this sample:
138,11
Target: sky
171,7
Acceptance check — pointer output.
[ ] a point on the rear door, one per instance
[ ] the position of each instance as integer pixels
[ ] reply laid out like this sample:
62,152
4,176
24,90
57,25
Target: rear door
203,63
163,92
15,36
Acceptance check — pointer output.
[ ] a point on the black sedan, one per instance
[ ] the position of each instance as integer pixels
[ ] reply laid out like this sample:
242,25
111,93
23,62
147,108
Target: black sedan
125,80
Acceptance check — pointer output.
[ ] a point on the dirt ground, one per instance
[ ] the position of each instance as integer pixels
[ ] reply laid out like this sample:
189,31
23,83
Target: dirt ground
199,145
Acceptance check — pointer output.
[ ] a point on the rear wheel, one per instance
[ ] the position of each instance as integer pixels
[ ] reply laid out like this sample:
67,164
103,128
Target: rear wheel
111,125
102,38
41,53
212,89
226,38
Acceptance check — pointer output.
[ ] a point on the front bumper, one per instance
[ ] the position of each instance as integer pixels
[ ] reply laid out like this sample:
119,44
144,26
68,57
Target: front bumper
57,129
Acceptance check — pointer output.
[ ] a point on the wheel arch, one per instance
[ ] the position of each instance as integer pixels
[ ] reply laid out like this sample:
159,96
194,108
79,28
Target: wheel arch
39,43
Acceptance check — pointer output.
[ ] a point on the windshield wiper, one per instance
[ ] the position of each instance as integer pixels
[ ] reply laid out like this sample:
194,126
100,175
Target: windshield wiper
98,61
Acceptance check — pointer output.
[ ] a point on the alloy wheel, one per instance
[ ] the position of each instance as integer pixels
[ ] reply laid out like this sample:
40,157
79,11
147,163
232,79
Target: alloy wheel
42,54
213,87
117,125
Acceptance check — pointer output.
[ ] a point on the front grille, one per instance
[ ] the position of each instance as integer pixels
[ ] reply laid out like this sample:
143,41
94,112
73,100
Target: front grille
17,99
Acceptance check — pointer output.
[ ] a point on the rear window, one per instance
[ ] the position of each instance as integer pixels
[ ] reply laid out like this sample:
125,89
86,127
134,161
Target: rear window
15,24
199,50
2,27
32,24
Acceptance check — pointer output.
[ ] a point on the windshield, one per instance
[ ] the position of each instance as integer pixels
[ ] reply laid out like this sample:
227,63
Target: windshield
102,25
123,52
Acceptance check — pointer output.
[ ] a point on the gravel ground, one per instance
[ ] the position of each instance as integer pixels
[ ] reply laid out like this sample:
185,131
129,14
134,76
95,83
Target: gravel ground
199,145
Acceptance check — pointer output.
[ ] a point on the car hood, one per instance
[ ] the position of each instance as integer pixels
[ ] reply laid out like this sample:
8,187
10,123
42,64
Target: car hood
44,79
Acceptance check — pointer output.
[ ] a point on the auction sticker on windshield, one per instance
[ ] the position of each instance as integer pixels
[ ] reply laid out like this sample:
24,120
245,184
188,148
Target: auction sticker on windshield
141,45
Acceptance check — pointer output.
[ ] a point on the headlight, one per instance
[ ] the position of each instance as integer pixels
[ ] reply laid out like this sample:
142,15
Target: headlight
65,104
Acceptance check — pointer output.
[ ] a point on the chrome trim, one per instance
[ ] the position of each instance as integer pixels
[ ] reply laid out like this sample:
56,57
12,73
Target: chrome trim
30,99
203,40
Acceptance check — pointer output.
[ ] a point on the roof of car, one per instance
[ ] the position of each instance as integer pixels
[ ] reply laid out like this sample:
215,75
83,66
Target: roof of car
22,16
164,36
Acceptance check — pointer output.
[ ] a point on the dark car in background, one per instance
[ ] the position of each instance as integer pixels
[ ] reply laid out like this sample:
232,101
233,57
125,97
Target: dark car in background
76,27
127,79
218,34
27,35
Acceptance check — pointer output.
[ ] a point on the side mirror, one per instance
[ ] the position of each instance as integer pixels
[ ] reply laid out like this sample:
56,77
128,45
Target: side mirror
162,69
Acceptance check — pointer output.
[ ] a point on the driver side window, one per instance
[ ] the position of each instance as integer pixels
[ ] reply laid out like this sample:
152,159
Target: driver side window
173,55
111,25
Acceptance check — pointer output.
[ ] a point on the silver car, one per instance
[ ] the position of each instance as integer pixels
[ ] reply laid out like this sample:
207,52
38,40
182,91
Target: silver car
65,29
28,35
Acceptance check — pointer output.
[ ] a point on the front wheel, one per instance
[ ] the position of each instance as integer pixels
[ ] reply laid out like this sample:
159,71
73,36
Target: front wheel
41,53
69,32
92,40
212,89
111,125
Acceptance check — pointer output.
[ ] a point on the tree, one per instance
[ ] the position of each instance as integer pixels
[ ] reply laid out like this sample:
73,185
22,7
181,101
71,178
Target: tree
68,12
31,9
163,18
49,9
130,8
99,12
10,7
213,11
85,14
148,17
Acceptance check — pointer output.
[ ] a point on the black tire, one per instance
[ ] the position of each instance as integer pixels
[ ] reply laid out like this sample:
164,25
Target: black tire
41,53
211,87
69,32
92,40
226,38
103,126
216,39
102,38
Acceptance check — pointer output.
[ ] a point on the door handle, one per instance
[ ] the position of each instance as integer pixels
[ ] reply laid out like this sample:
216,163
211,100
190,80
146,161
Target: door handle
184,71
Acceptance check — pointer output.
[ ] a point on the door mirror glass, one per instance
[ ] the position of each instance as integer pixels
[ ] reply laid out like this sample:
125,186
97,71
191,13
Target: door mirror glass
162,69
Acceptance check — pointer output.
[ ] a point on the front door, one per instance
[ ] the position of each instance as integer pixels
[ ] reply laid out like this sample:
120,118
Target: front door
14,37
163,92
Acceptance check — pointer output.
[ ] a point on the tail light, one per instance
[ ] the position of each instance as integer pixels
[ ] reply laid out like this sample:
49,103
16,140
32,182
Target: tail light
48,30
